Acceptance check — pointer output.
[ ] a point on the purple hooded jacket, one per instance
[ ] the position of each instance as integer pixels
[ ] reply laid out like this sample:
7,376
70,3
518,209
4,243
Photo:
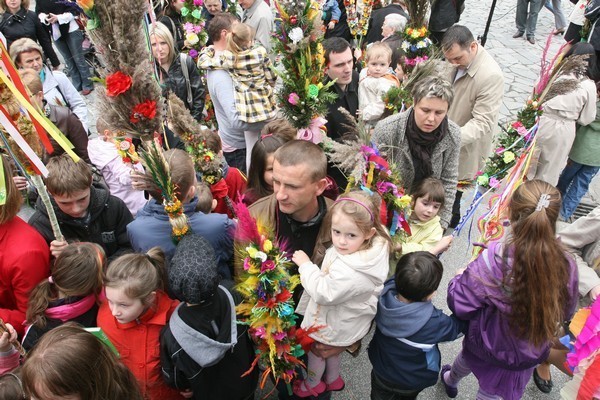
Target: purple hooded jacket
502,362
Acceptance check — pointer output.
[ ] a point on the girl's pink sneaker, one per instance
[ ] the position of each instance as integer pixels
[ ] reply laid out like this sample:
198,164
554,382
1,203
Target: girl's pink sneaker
336,385
301,389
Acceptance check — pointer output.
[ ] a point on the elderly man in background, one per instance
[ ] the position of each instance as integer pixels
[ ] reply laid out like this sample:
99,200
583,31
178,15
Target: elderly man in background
258,15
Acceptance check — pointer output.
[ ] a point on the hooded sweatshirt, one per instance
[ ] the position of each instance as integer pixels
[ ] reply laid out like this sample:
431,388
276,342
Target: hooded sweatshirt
342,294
404,350
203,349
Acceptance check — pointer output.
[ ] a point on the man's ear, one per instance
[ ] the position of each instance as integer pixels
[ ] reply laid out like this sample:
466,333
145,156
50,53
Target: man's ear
322,184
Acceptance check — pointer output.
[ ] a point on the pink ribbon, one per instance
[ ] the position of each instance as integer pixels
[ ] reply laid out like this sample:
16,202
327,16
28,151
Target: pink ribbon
313,133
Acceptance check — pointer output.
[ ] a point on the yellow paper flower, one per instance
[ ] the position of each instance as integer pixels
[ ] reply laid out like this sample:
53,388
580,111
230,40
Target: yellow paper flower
251,251
405,201
508,156
313,11
267,246
192,38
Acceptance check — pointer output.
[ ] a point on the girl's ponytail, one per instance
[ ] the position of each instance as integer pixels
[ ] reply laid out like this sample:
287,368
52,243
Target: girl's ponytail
38,302
77,271
238,39
138,275
540,270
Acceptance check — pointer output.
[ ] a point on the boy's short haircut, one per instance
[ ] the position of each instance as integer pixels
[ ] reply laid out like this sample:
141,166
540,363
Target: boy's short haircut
205,198
379,51
31,79
66,176
213,140
433,188
418,275
298,152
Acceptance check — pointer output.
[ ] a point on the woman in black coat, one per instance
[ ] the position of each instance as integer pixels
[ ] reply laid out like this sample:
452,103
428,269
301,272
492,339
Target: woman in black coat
177,72
16,22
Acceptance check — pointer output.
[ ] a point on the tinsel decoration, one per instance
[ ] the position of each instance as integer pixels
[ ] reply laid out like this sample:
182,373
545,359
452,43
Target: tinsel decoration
303,97
158,168
584,357
268,307
368,170
120,38
557,77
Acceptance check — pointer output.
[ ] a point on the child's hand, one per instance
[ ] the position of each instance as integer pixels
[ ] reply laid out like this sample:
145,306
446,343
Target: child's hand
20,182
57,247
442,245
7,338
357,53
460,271
300,257
331,25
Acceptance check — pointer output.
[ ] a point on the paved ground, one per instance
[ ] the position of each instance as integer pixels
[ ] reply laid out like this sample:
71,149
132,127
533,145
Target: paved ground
520,63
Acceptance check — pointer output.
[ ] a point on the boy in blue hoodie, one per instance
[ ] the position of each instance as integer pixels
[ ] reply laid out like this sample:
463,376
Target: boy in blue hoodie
404,351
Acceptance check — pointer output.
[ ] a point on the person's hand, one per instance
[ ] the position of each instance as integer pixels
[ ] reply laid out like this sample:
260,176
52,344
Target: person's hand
57,247
331,25
594,293
325,351
187,44
52,18
357,53
460,271
7,338
187,394
300,257
20,182
442,245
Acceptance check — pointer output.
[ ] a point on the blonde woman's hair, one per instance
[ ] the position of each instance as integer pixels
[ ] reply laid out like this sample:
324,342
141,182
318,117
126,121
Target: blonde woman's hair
138,275
161,31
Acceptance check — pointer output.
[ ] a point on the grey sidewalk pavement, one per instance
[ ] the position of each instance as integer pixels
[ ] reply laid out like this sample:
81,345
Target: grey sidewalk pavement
520,62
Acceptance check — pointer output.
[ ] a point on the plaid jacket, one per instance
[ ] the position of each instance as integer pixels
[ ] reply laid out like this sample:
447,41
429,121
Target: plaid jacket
253,80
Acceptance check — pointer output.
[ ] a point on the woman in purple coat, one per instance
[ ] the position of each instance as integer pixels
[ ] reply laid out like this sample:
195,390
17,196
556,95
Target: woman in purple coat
515,296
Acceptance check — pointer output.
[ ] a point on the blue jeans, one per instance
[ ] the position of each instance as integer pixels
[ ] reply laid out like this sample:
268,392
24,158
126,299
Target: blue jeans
236,159
554,6
527,15
77,68
573,185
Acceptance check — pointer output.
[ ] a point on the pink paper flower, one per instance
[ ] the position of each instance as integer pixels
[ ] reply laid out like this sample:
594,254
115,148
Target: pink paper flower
499,150
247,265
494,182
198,3
189,27
268,265
279,335
293,98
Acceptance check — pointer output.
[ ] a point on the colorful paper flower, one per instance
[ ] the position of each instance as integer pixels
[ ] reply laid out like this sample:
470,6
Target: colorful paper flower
296,35
146,110
198,3
192,38
313,91
493,182
508,157
483,180
117,83
293,99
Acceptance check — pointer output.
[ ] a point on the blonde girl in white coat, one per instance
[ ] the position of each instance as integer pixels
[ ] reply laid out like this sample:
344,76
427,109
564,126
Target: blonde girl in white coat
341,296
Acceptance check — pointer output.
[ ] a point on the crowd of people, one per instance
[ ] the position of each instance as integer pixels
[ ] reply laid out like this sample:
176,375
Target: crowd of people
169,309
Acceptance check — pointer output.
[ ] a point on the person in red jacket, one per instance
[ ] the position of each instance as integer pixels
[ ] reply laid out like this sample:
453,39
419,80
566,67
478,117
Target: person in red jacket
135,311
24,254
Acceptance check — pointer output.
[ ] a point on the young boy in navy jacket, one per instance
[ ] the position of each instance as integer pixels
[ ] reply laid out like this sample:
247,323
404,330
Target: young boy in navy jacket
404,351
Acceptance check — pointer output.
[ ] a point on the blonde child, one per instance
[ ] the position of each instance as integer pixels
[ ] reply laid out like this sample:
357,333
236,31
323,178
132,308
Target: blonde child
426,232
114,167
250,68
375,81
70,293
135,311
341,296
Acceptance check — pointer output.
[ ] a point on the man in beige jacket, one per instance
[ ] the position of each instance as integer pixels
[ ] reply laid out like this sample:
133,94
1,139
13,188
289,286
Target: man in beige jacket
478,92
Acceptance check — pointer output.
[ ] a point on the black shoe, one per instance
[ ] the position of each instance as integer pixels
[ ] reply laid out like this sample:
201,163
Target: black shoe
518,34
543,385
531,39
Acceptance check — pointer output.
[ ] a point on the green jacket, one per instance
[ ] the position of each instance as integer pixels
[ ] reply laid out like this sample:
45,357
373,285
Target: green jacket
586,147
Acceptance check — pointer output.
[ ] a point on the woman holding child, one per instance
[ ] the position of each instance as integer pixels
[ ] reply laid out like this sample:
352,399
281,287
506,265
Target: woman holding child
422,142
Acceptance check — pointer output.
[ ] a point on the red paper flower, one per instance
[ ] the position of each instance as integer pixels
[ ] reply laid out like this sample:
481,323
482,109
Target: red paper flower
146,110
117,84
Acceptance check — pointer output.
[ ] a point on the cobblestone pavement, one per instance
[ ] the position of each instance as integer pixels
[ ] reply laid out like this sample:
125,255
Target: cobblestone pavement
520,62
